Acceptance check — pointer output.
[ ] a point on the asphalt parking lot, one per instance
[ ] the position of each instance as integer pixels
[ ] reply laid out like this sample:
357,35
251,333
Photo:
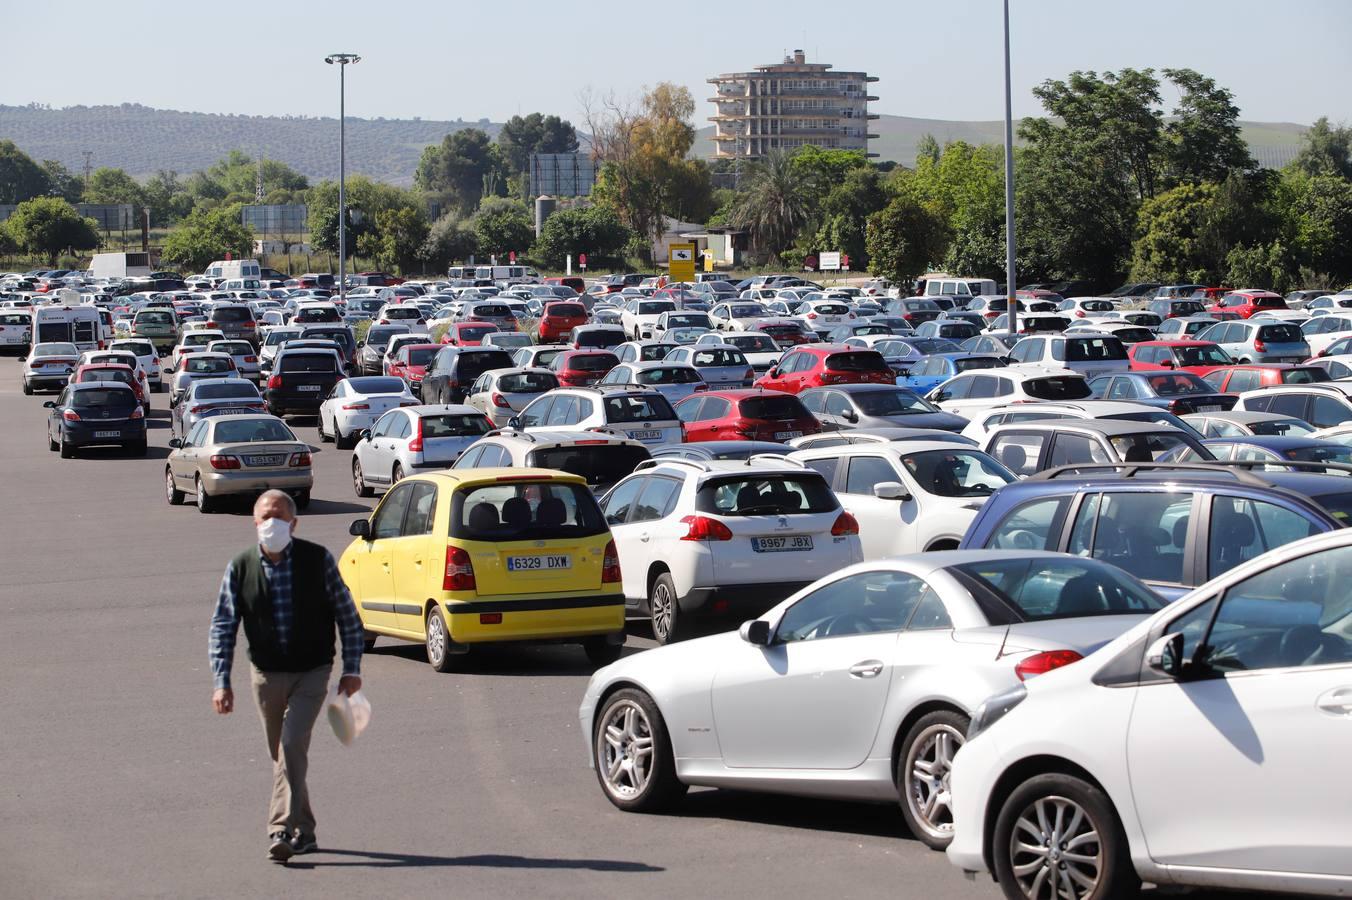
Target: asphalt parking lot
119,781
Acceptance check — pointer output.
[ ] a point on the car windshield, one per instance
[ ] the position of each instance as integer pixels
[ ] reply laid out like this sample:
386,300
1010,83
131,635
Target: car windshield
1281,334
600,337
926,346
140,348
206,365
1309,375
308,362
471,365
592,362
1062,388
1149,447
897,402
689,320
1090,349
277,336
766,495
251,431
523,511
122,375
1178,383
861,361
102,397
768,407
1206,355
444,425
1041,588
667,375
380,336
231,314
718,358
599,463
155,318
527,383
571,310
977,362
227,391
545,357
1282,428
745,310
421,356
1334,454
751,343
957,473
644,408
654,352
655,307
378,385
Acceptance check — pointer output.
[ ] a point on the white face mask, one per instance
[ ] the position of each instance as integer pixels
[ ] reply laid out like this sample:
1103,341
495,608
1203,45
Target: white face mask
274,535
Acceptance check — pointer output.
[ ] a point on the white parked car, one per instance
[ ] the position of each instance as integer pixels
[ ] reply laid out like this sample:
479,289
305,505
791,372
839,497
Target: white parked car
120,358
244,355
858,687
823,316
1200,748
1321,331
193,342
1091,355
911,496
147,357
354,404
412,439
502,393
639,319
759,348
736,314
200,366
701,539
972,393
979,427
634,412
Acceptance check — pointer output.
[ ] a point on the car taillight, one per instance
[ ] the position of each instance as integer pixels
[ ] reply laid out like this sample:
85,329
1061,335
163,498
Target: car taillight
299,460
459,571
249,325
702,528
356,406
224,461
251,359
416,445
845,524
1044,662
1259,346
750,373
701,387
812,315
501,402
1079,314
194,410
70,415
610,565
232,363
211,325
274,382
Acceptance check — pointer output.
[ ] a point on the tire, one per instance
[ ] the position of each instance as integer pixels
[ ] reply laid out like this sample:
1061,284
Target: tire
669,625
1110,873
438,642
340,442
601,652
359,485
324,438
67,451
205,504
368,641
396,474
629,717
302,499
923,769
171,491
51,444
27,387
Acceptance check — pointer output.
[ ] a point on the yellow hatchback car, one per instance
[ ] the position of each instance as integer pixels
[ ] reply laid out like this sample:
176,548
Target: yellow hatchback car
468,556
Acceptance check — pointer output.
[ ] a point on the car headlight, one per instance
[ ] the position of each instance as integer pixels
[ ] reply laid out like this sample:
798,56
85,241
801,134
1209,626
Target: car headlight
994,708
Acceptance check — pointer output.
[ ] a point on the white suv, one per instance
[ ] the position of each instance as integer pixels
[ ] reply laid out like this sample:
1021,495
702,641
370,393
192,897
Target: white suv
601,459
1201,747
639,319
976,391
1089,354
908,497
723,539
638,413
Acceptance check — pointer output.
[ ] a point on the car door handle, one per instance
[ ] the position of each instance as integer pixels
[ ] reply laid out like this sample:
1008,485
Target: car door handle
869,668
644,536
1336,702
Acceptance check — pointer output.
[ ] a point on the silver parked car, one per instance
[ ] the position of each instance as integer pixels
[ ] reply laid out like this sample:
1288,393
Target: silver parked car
413,439
502,393
238,456
205,399
1258,340
722,366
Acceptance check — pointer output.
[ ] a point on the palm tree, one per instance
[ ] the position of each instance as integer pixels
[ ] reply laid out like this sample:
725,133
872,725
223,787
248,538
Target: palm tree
775,204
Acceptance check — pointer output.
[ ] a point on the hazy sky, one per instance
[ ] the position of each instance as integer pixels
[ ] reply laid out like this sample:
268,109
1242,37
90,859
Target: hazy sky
1285,61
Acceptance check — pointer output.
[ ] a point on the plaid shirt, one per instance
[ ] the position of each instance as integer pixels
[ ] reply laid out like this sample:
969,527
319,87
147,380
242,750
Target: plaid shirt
225,620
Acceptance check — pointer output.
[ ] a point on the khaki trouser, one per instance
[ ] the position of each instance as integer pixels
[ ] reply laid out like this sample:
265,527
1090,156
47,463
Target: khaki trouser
289,703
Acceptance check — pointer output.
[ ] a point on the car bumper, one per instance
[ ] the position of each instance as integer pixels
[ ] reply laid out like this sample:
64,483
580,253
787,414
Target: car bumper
534,619
739,599
239,481
971,782
294,403
81,434
43,380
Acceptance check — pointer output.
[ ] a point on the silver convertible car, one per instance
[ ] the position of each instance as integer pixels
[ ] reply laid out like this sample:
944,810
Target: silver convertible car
858,687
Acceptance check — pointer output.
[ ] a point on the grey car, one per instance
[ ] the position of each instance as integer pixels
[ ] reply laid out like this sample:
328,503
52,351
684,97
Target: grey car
207,399
1258,341
672,380
371,351
876,406
721,366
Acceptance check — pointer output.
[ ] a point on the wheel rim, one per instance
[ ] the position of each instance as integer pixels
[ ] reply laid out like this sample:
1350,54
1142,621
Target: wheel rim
397,475
662,611
929,764
624,749
356,477
1055,851
436,639
169,484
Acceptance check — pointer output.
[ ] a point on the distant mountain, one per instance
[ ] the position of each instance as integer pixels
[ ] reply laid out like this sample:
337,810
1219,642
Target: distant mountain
143,140
1273,144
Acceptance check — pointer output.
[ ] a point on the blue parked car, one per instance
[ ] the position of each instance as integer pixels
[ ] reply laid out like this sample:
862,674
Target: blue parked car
937,368
1278,448
1173,526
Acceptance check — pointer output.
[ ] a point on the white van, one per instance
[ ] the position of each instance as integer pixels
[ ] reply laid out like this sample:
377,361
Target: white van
222,269
16,329
78,325
510,274
959,287
120,265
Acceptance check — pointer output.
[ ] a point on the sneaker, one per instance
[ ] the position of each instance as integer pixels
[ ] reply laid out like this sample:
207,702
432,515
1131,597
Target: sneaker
304,843
279,847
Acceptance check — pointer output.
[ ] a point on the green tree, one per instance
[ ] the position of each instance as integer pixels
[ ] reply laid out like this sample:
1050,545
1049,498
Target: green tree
774,204
927,148
449,240
1325,150
62,181
1170,248
396,242
965,185
845,211
207,235
820,170
20,178
167,197
1318,220
593,230
501,226
904,240
465,167
49,226
536,133
1271,265
366,199
109,185
1203,140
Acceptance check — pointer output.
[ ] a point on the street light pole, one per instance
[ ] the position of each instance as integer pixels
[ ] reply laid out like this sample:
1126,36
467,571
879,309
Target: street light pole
1011,291
342,60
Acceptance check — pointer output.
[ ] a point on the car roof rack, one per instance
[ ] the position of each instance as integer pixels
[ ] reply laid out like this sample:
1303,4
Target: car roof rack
1131,470
1321,467
700,464
510,432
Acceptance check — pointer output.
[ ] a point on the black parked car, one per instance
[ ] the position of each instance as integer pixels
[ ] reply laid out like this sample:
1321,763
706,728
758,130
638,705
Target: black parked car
301,379
340,335
95,413
454,369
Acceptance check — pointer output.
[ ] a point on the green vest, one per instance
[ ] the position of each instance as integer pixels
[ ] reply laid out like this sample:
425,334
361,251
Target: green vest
312,624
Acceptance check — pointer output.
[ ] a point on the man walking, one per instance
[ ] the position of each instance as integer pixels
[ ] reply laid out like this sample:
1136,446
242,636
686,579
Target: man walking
289,596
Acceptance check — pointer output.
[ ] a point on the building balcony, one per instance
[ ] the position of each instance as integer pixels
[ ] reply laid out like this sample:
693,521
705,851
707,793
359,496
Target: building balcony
871,98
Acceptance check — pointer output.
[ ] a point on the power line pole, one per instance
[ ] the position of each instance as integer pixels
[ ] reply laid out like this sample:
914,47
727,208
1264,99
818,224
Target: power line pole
1011,289
342,60
88,155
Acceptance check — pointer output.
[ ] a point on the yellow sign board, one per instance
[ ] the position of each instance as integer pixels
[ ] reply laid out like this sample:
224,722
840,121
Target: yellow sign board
708,260
681,262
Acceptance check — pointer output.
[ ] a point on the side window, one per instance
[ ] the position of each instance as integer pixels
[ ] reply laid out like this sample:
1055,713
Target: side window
621,500
983,386
1325,412
422,509
958,388
388,521
1242,529
867,603
1069,449
714,408
1244,380
1032,526
930,614
584,409
1121,389
535,414
1004,387
1144,533
197,437
866,471
384,425
691,411
1019,451
470,458
401,427
495,455
836,404
1022,351
1263,404
564,411
658,499
790,363
826,467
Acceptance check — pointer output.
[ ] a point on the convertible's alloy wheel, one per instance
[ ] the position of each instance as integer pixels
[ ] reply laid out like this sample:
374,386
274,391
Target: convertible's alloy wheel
929,764
624,750
1055,850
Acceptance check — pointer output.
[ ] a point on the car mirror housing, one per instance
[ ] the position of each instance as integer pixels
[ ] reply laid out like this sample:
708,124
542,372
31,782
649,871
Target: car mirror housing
366,434
891,490
360,528
49,404
1166,655
757,632
175,443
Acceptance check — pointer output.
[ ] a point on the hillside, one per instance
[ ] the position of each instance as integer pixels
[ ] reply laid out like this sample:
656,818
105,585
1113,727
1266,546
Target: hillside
143,140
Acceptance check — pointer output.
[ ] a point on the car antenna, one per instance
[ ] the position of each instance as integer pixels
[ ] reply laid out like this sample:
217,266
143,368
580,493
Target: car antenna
1004,639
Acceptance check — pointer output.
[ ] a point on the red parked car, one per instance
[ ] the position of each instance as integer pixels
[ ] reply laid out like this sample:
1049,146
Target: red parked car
571,281
745,415
111,372
581,368
1246,303
410,363
817,365
1237,379
559,320
1189,356
468,334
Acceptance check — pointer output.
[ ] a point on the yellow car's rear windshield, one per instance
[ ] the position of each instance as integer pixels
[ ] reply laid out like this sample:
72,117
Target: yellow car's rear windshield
525,510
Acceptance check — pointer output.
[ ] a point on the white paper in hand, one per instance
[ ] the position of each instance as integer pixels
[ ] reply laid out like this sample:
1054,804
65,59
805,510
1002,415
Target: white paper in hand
348,716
